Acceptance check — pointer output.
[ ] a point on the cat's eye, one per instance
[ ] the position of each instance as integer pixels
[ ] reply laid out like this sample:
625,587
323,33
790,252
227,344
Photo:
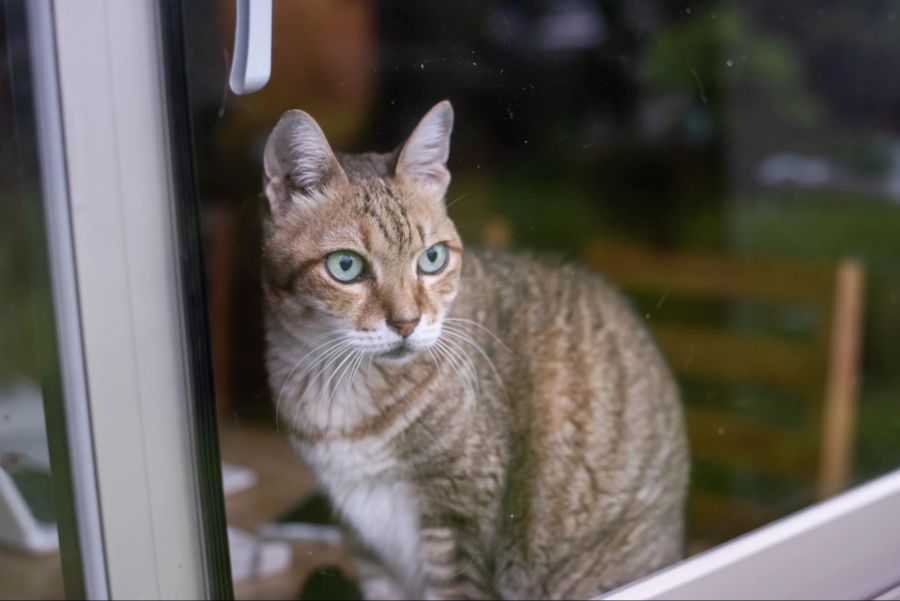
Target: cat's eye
345,266
434,258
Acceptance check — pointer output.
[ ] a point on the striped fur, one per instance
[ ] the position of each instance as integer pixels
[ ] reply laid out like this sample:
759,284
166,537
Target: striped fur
529,441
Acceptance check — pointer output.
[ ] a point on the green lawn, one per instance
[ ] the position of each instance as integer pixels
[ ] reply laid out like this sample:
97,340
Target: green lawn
829,226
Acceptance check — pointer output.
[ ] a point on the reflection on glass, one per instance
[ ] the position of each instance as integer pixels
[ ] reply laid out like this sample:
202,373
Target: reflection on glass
29,560
732,167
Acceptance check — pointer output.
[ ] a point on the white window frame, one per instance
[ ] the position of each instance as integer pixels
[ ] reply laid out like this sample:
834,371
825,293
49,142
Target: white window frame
847,547
139,414
126,312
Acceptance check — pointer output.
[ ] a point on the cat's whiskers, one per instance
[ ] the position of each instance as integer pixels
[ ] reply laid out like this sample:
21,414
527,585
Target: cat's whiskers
460,362
328,356
442,354
485,329
466,362
334,379
457,199
350,382
431,355
340,341
333,356
300,362
465,337
350,374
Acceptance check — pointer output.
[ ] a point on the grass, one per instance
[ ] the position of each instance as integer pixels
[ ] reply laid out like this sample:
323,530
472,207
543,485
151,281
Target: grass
817,225
802,224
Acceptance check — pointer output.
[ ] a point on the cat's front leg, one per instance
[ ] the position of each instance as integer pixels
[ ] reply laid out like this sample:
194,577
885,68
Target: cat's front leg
376,580
449,571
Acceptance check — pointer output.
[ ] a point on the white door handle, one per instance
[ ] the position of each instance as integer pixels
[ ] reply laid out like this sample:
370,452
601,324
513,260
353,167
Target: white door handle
251,63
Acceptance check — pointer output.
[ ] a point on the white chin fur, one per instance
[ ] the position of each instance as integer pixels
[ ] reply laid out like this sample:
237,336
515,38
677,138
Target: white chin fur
386,346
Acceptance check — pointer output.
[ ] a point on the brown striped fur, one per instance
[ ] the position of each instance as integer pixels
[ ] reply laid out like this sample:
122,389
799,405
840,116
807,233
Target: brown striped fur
529,445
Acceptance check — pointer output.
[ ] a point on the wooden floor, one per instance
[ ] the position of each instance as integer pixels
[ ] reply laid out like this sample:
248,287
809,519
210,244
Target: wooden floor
282,482
30,577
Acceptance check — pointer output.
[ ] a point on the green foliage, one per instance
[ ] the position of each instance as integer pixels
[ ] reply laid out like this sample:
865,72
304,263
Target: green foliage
819,225
17,350
697,59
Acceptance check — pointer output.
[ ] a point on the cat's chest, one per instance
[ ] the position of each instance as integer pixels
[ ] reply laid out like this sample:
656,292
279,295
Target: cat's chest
365,486
385,516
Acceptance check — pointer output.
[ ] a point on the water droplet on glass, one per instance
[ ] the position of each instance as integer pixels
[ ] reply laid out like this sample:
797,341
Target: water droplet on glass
729,63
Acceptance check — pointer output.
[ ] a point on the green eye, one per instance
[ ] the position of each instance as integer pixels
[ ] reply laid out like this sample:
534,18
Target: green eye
344,266
434,258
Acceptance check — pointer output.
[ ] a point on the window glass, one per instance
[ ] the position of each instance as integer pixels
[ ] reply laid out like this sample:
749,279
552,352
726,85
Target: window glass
732,167
29,547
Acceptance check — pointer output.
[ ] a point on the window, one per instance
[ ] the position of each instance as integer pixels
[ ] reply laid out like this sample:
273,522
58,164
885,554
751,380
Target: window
729,167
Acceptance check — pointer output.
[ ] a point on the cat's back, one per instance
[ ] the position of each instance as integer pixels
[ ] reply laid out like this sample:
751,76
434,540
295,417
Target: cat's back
535,298
595,411
576,349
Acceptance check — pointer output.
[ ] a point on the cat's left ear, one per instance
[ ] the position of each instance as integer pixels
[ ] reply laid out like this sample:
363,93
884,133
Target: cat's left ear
423,158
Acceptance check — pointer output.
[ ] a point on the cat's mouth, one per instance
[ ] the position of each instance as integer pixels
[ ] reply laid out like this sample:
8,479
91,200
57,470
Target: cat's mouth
401,351
398,353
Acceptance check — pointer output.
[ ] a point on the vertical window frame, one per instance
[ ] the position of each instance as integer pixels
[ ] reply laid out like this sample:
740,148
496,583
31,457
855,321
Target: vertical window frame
127,225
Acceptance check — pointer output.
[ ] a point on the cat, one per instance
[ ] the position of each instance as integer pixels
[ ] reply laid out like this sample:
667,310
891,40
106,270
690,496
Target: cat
486,424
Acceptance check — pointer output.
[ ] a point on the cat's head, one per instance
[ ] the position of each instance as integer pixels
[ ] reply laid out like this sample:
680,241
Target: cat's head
359,248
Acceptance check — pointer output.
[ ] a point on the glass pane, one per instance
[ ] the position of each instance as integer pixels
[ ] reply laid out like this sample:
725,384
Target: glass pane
30,565
731,168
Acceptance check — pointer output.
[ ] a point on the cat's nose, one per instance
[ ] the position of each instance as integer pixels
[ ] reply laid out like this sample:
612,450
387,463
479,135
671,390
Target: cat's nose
404,327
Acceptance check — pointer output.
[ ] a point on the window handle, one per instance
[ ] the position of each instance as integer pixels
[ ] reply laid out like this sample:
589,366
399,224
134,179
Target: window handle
251,63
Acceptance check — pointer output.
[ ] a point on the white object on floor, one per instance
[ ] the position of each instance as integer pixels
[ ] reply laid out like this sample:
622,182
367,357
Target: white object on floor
236,478
22,428
23,436
18,526
253,557
301,531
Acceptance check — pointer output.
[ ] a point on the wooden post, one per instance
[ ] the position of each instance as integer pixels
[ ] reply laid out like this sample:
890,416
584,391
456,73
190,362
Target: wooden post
839,415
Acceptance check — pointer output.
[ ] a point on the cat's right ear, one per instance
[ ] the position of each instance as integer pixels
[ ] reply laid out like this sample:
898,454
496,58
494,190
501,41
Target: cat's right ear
299,163
423,157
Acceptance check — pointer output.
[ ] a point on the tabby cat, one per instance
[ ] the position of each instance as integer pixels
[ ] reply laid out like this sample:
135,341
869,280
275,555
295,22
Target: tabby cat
487,424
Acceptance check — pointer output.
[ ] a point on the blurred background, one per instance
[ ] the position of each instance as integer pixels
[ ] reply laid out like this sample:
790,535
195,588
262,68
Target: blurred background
733,166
